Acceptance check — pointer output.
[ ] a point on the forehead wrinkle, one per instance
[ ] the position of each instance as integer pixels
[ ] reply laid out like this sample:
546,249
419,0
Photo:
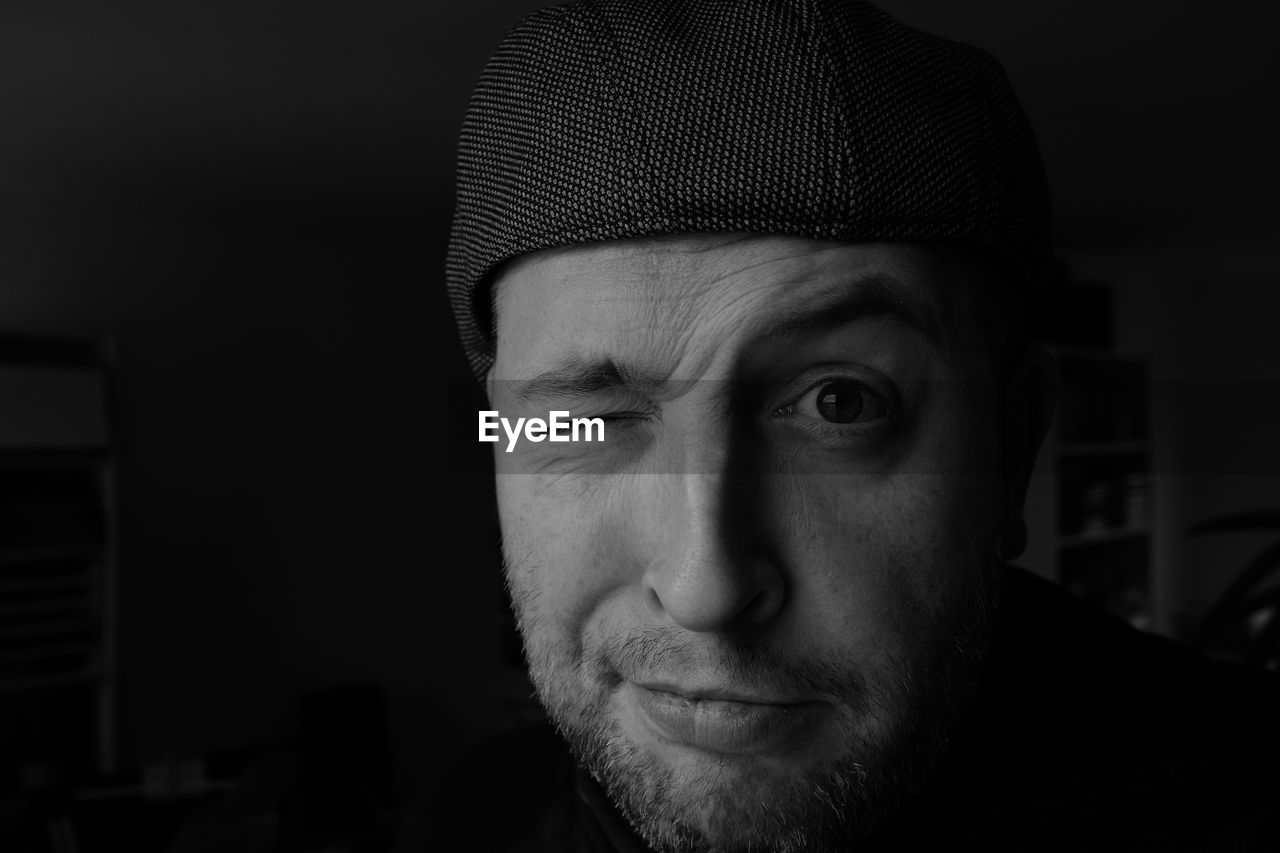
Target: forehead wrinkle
684,313
685,321
683,302
708,318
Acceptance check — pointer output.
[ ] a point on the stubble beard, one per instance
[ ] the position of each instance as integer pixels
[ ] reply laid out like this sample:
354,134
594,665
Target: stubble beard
896,729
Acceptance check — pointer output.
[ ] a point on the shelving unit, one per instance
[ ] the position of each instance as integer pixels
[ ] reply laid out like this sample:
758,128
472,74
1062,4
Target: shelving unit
1089,510
57,559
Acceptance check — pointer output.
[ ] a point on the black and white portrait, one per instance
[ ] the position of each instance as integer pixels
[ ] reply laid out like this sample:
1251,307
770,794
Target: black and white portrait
639,425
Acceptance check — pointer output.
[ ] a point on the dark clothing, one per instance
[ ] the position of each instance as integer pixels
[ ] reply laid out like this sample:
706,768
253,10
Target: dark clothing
1085,735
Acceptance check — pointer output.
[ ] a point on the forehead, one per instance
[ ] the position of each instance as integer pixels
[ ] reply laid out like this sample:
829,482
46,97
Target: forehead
683,303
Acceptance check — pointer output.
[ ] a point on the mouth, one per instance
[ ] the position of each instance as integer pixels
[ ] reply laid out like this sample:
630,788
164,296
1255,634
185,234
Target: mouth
712,694
724,721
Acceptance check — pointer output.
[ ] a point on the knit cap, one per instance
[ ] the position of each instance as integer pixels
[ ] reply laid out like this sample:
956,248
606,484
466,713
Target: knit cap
828,119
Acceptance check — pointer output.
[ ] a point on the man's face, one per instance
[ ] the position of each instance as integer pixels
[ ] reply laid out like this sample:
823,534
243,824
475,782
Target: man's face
757,608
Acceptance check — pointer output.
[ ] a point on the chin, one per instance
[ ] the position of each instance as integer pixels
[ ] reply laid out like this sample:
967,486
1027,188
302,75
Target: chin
829,787
831,793
684,799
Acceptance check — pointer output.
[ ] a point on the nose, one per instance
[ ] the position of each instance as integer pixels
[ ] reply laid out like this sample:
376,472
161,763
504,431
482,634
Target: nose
712,571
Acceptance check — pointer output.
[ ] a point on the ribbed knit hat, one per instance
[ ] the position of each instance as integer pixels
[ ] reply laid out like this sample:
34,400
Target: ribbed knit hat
609,119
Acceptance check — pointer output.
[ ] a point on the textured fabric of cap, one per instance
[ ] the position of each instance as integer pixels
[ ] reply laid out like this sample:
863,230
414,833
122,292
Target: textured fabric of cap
610,119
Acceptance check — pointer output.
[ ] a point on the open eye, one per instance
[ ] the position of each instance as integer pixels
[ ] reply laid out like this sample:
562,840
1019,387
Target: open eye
842,401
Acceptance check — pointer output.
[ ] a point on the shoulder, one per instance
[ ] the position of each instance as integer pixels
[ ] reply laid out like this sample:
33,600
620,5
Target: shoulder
1138,685
1101,735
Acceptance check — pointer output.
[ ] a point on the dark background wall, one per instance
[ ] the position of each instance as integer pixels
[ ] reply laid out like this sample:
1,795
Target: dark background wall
252,199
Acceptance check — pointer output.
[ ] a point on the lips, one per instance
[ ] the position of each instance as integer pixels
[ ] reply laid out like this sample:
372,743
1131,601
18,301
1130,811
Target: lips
724,721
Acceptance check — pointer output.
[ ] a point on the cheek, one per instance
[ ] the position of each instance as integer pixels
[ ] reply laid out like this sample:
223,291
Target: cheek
875,558
556,545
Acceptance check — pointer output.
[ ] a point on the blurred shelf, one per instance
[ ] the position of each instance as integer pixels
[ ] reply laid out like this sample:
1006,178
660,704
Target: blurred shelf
49,554
58,549
87,675
49,457
1084,449
1090,510
11,634
1102,537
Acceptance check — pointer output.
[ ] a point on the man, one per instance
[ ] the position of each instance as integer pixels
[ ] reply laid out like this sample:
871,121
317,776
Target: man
781,251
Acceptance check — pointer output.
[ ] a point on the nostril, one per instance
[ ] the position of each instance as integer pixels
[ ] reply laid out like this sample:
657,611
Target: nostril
764,604
654,602
702,595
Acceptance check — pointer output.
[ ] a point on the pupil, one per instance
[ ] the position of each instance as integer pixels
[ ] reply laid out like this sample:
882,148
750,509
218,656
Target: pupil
840,402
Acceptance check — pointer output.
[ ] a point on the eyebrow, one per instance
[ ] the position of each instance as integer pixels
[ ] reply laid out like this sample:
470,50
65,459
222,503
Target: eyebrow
574,376
871,297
